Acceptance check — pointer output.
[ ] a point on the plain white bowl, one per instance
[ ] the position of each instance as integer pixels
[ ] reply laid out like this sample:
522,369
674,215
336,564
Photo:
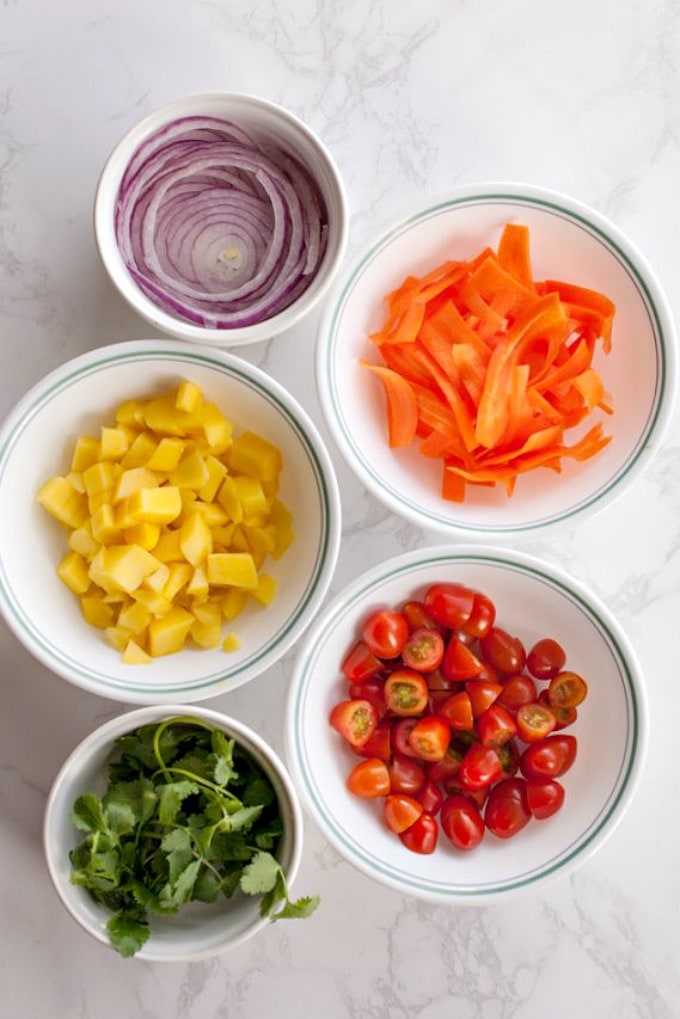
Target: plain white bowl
533,600
568,241
198,930
36,442
265,122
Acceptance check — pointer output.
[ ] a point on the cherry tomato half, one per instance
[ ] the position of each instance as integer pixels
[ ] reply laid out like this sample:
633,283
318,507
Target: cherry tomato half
563,716
449,765
482,694
461,821
567,690
401,734
355,720
481,766
495,726
369,779
503,651
422,836
546,658
417,616
430,738
378,744
482,617
507,808
549,758
534,722
457,710
459,662
431,797
424,650
406,692
385,632
449,604
360,663
401,811
407,774
518,689
371,689
544,798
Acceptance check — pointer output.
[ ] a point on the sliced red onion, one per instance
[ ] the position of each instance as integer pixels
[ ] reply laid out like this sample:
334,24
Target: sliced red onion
217,229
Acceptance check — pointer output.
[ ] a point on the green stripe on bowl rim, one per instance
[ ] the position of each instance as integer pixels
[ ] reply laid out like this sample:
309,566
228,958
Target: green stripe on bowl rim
360,591
665,375
227,364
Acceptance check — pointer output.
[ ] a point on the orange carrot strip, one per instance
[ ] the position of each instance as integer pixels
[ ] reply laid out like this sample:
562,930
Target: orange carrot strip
514,254
451,395
448,321
402,408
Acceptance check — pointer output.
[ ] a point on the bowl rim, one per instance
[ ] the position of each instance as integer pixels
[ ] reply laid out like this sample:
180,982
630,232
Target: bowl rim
106,192
119,725
635,264
136,690
359,591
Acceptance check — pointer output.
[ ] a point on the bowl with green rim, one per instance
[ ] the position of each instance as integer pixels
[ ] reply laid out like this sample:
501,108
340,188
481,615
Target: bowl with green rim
37,443
533,600
569,242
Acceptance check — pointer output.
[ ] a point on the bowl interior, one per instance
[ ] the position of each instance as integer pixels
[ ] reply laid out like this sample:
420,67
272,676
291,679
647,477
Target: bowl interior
532,601
566,243
37,442
198,929
265,122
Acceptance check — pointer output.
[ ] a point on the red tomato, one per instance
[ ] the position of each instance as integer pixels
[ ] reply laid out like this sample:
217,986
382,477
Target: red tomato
457,710
546,658
449,604
401,811
507,809
431,797
406,692
430,738
378,743
563,716
385,632
481,766
360,663
417,616
422,836
478,796
495,726
355,720
407,775
502,651
459,662
401,734
371,689
509,754
567,690
461,821
544,798
424,650
441,771
534,722
518,689
482,694
549,758
482,617
369,779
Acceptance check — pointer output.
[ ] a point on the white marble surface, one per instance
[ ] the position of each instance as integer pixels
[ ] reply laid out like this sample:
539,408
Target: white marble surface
411,98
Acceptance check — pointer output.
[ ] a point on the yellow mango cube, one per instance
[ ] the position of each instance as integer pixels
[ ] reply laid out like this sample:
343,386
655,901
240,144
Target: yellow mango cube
131,480
73,570
113,443
145,534
157,604
168,634
212,513
228,498
255,456
216,473
142,447
82,540
163,418
96,611
231,569
122,567
118,636
195,539
63,502
215,427
100,477
167,548
251,496
135,655
189,397
85,453
167,454
179,575
134,617
103,525
222,536
233,603
207,631
198,586
75,480
265,591
157,580
130,413
231,642
191,472
159,505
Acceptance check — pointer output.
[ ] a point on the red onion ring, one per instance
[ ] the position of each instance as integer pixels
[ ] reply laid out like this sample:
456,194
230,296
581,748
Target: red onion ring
217,229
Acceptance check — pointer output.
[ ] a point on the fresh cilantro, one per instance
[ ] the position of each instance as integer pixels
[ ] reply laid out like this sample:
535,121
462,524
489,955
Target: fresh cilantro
188,815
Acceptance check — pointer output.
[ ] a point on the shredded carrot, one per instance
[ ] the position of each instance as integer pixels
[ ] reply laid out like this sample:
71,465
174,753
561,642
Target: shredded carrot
487,368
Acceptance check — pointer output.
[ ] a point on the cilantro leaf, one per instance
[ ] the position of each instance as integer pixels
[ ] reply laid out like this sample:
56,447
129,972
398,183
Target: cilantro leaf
298,910
120,818
139,795
260,875
171,797
88,814
128,932
179,890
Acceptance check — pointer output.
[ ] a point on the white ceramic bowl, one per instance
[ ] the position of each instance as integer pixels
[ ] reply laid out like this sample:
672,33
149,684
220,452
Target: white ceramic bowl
199,930
569,242
533,600
36,442
264,122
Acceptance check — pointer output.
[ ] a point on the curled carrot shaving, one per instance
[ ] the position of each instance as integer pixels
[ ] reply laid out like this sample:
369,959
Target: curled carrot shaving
487,368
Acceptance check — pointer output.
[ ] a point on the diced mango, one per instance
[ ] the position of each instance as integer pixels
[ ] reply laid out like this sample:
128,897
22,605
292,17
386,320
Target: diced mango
134,617
228,498
231,642
167,547
195,539
100,477
266,588
216,472
63,502
162,417
216,428
96,611
251,496
131,480
130,413
206,630
231,569
198,586
179,575
113,443
157,580
82,540
85,453
167,454
75,480
191,472
145,534
168,634
73,570
189,397
255,456
155,505
118,636
103,523
122,567
233,603
157,604
135,655
141,450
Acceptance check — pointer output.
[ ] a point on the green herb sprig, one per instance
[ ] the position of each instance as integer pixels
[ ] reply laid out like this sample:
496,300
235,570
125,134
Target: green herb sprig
188,815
